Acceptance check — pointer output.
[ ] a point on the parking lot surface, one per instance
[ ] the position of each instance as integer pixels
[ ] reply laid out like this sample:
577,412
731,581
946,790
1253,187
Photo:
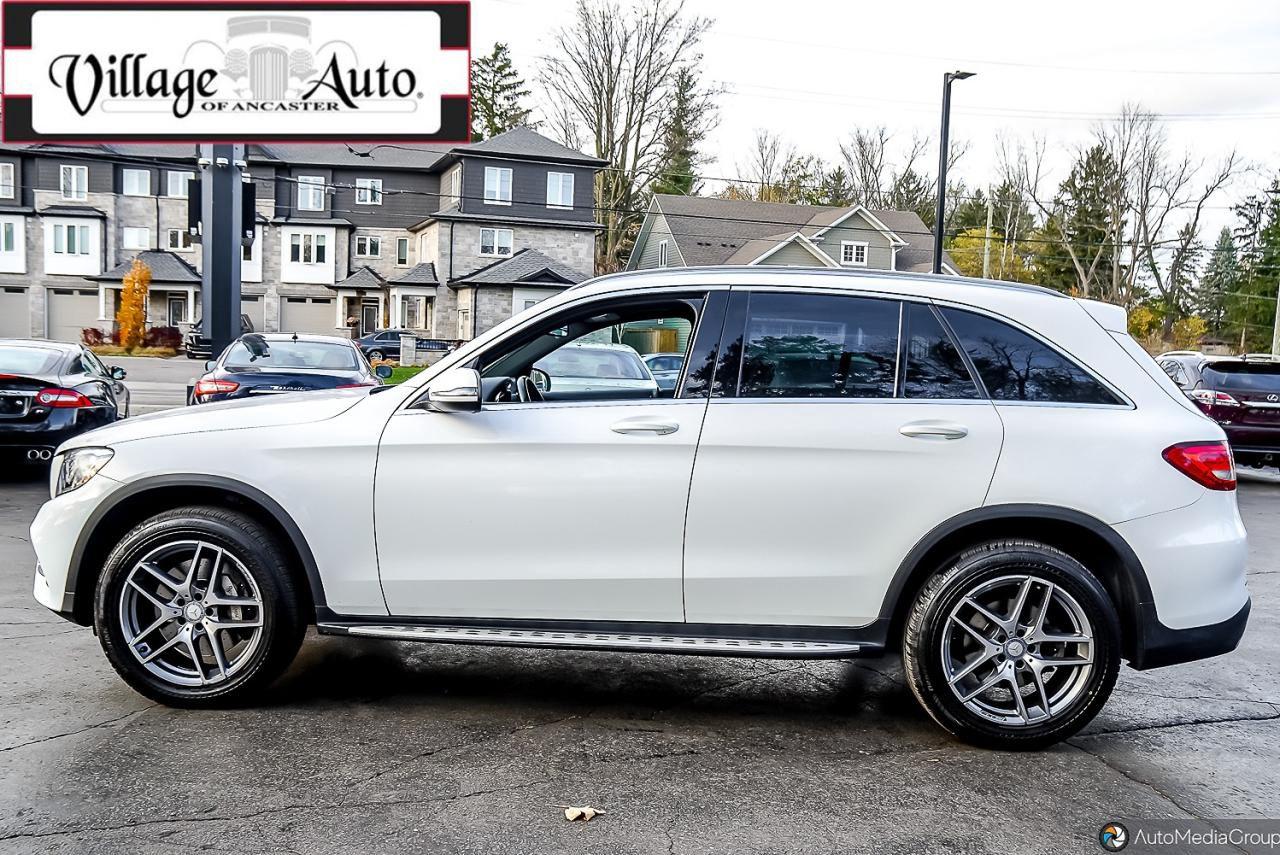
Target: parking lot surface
372,746
156,384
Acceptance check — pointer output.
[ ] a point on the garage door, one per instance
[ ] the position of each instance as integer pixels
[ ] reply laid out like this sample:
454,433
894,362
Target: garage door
255,307
15,314
70,311
307,314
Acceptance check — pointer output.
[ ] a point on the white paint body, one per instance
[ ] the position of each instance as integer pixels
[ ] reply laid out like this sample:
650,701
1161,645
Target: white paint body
751,511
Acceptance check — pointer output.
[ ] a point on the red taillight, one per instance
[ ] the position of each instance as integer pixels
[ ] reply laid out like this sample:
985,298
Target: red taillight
62,398
207,386
1207,463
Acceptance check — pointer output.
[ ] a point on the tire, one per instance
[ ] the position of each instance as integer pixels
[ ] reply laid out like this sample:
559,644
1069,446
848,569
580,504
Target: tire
375,354
252,611
942,645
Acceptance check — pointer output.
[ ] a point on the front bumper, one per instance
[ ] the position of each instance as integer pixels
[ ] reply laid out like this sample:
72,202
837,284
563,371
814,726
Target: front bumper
56,534
1158,646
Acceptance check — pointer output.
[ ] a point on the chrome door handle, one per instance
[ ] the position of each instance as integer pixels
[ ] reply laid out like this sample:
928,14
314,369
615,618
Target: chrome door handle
934,430
633,426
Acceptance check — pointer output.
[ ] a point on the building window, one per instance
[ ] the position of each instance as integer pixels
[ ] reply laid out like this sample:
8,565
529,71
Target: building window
70,240
464,323
134,238
368,191
8,238
453,185
179,240
246,252
662,253
310,193
415,313
6,181
137,182
559,189
178,182
402,252
75,182
497,185
306,249
853,253
496,241
368,246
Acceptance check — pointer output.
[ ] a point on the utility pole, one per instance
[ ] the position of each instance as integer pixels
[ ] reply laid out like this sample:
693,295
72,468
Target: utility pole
943,146
986,240
221,201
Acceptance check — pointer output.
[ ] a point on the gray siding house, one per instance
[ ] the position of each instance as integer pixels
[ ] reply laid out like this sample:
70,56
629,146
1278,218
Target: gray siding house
392,236
694,231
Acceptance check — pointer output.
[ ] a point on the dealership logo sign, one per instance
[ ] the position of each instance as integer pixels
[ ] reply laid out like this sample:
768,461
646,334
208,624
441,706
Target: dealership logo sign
236,71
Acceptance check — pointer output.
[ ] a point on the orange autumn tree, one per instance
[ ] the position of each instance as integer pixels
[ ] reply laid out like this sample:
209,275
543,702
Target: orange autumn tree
131,318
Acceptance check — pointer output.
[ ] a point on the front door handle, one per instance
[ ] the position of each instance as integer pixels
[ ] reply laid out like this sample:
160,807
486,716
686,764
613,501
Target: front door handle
635,426
934,430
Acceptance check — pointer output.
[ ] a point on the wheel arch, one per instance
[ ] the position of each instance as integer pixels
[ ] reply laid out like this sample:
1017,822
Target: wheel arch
1086,538
143,498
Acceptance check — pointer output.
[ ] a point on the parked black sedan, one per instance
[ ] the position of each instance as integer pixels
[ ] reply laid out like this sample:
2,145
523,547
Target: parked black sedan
49,392
276,363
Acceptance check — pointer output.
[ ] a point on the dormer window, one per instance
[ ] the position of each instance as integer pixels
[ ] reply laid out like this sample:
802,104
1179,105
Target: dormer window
497,185
853,253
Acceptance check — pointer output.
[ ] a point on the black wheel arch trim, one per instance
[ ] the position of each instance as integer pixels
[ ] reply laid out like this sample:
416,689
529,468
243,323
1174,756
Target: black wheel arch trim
77,611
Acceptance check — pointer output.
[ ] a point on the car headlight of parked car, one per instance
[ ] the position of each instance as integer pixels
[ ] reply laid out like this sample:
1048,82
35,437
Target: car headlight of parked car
76,467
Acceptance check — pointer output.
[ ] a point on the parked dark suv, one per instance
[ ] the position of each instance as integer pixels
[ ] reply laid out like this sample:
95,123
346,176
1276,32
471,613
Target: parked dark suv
198,345
1241,393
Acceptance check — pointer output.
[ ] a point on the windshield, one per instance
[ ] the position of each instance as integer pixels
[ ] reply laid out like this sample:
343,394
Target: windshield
292,355
576,361
28,360
1249,376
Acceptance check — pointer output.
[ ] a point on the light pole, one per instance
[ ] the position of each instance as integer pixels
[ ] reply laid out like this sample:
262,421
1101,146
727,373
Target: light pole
942,163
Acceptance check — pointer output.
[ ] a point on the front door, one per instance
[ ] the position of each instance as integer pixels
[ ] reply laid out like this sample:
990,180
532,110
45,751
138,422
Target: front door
368,318
829,459
567,503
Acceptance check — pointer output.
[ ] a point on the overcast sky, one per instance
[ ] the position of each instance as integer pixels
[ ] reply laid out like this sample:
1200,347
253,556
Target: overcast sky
810,70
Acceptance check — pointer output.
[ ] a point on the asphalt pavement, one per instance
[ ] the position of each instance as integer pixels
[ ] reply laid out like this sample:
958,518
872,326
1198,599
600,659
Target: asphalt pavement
370,746
156,384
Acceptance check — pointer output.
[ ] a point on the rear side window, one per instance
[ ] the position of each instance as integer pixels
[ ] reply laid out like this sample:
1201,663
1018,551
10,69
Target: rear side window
934,368
1016,367
816,346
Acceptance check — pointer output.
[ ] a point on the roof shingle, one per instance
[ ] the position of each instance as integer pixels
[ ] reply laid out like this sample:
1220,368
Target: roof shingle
527,265
165,267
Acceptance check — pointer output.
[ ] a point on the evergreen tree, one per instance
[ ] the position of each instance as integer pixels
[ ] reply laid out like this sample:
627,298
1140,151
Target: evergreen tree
497,95
1250,310
836,189
1220,279
1080,226
692,112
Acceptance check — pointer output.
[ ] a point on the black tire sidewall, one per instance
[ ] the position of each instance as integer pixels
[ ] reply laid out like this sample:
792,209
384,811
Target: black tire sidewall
971,570
254,548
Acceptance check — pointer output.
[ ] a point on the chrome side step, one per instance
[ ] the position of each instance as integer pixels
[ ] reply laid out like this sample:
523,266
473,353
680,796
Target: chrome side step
634,642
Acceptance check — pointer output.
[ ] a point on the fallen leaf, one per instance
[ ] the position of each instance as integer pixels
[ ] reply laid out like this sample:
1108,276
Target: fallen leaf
586,813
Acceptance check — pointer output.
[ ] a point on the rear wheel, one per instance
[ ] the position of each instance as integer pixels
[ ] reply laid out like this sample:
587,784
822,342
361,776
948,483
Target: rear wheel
375,355
196,607
1015,645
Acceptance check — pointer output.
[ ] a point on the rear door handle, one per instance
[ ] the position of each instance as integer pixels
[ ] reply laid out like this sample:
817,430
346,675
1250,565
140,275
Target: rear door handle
934,430
637,426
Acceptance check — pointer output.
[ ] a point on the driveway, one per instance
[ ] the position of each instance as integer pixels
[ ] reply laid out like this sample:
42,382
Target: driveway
157,384
378,746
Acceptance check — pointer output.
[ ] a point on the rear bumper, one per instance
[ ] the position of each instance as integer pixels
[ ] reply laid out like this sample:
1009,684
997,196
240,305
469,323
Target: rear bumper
16,438
1253,440
1158,645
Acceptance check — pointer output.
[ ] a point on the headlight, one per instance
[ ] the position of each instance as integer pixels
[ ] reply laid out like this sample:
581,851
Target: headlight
77,466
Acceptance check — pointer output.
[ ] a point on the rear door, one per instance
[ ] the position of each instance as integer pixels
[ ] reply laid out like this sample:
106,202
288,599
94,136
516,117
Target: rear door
841,429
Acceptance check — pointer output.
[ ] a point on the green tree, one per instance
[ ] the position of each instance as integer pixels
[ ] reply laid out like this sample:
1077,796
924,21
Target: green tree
497,94
1079,259
1220,279
1250,310
692,117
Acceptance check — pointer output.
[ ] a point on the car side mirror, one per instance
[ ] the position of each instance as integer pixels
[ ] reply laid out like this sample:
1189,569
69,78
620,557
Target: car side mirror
383,370
210,364
118,373
455,391
540,379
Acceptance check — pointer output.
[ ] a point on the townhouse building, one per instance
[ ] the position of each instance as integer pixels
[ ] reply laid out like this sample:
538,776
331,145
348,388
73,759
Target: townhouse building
447,240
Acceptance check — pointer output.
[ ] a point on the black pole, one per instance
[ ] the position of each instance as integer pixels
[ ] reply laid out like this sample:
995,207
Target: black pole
221,199
942,172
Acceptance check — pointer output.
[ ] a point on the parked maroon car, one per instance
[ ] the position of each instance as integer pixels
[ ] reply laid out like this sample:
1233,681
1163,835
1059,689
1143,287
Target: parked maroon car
1241,393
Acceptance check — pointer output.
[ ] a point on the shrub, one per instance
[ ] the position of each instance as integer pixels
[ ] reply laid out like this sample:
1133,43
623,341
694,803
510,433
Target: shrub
164,337
92,336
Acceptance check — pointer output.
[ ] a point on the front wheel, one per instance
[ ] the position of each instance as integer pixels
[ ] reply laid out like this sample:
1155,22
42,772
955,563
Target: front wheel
375,355
196,607
1015,645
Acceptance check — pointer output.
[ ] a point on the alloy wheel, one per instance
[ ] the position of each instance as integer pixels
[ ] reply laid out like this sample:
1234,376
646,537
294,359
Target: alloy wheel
1017,650
191,613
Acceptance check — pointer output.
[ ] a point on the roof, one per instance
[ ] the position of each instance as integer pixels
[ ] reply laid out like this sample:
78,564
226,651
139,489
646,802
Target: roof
72,211
365,278
420,274
40,344
321,222
165,267
528,266
709,230
524,142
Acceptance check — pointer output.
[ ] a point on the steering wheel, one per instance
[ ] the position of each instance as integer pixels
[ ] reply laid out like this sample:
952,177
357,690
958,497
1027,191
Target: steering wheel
506,392
528,390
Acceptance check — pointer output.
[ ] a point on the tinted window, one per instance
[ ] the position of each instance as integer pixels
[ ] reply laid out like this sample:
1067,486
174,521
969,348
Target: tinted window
813,346
934,367
1016,367
294,354
1245,376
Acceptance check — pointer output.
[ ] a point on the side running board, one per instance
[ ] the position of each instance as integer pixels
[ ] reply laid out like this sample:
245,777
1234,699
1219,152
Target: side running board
775,648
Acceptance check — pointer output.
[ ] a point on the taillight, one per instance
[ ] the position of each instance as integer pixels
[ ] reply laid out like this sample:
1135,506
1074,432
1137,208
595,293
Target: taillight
208,386
62,398
1210,398
1209,464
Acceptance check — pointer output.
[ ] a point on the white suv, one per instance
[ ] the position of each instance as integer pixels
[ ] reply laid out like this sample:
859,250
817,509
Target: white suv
993,479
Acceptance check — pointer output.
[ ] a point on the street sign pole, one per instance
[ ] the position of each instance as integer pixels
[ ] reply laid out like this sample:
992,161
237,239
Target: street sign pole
221,200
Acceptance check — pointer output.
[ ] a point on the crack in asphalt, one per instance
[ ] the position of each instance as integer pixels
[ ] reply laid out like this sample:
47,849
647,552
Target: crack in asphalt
308,807
1192,723
106,723
38,634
